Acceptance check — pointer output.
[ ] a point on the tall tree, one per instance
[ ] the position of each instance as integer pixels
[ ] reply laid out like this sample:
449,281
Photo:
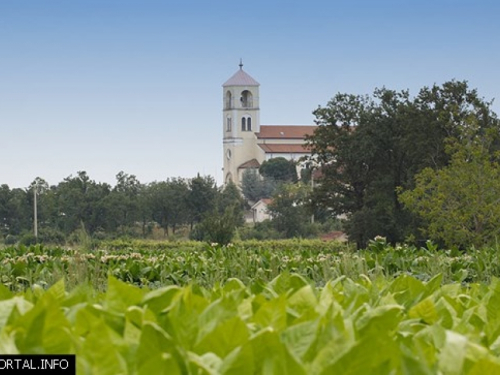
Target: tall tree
460,203
370,147
201,197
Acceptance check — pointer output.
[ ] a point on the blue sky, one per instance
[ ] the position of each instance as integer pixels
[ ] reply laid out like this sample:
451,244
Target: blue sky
111,85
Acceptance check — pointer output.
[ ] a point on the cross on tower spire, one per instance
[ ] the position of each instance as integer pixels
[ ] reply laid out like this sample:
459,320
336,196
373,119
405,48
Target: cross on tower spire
241,64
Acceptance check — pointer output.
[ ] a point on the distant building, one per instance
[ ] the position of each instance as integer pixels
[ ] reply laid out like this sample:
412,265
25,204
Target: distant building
260,211
247,143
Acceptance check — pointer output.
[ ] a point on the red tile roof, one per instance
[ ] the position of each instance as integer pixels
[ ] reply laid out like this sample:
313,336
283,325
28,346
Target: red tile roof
285,131
275,148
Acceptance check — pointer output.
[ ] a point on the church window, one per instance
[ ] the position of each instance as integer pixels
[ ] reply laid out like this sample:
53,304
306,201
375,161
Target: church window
228,124
229,99
246,123
246,99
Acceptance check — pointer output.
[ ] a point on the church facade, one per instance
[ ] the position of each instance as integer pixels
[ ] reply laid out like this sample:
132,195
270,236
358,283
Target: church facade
247,143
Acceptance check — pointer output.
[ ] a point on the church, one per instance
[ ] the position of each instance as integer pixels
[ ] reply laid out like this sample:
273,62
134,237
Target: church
247,143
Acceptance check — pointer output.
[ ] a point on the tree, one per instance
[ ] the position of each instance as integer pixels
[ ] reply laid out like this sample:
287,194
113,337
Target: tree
459,203
82,200
201,197
122,204
230,199
289,209
279,169
169,203
254,187
370,147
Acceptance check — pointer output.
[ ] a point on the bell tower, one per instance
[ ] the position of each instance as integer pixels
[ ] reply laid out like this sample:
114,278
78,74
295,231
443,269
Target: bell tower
241,120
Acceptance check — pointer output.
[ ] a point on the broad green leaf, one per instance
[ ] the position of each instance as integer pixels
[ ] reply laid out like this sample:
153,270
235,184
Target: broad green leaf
452,356
233,284
58,291
299,338
485,367
163,364
303,300
7,307
5,293
160,299
425,310
369,355
272,314
433,285
182,320
121,295
101,352
286,282
46,329
224,338
407,290
239,362
379,320
8,343
206,364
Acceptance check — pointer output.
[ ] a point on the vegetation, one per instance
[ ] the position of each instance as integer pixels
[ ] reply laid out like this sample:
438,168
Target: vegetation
369,148
155,264
459,203
295,307
129,209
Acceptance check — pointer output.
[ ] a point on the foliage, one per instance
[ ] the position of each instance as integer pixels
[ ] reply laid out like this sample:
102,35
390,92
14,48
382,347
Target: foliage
460,203
289,210
155,264
129,208
279,169
217,228
284,326
367,148
254,187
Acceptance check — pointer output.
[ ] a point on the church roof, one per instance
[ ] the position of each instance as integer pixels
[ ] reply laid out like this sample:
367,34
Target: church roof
279,148
250,164
241,78
285,131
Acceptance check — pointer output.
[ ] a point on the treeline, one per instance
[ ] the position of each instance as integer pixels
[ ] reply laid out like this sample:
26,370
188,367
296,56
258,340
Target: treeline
130,207
411,168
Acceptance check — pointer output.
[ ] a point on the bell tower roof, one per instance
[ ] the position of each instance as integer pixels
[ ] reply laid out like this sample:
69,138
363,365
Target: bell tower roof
241,78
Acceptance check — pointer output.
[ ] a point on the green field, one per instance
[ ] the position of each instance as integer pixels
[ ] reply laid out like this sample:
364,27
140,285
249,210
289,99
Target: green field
277,307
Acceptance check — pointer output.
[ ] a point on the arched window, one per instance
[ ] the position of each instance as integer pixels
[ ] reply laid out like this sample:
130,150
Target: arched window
246,123
246,99
229,99
228,124
229,177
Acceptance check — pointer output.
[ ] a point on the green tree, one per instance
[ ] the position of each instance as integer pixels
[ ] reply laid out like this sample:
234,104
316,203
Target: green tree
169,203
82,200
460,204
370,147
230,199
123,204
255,187
201,197
289,209
279,169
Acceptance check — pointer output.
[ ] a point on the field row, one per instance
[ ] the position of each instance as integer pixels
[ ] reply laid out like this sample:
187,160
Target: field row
287,326
250,262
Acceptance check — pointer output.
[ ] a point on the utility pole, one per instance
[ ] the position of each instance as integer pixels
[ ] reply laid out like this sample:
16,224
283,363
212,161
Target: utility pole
35,214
